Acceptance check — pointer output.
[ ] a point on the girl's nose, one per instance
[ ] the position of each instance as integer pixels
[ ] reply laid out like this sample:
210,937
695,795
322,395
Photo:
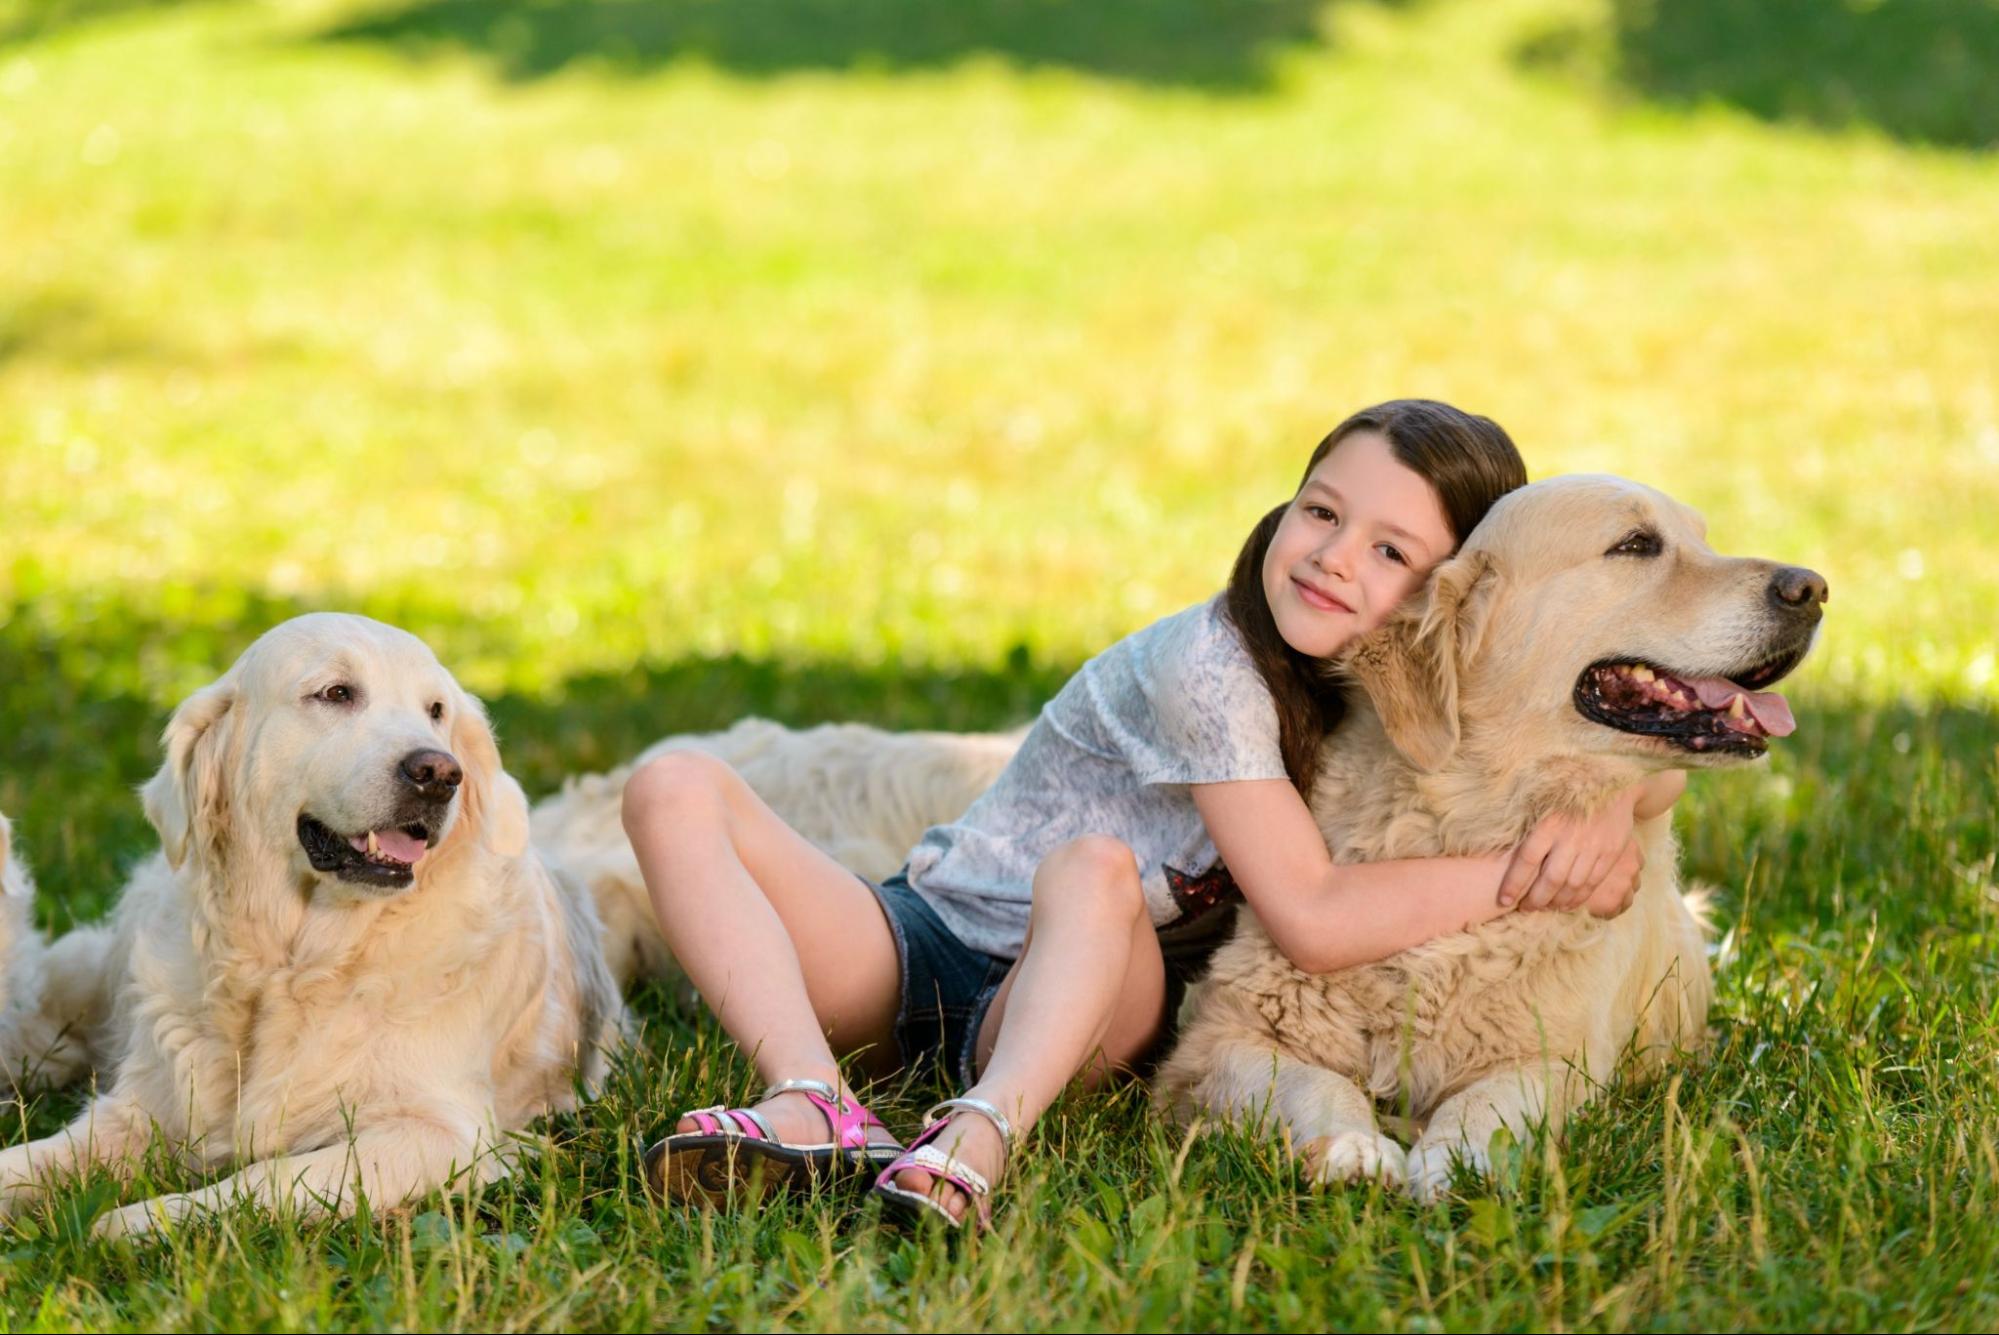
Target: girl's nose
1333,556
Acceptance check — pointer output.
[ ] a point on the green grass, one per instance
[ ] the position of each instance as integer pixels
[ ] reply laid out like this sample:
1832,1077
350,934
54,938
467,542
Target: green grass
661,363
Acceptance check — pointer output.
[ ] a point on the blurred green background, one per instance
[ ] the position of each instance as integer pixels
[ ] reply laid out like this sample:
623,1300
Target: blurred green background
660,362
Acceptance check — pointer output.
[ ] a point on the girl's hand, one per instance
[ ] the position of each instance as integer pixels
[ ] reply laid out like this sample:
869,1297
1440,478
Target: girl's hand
1569,861
1615,892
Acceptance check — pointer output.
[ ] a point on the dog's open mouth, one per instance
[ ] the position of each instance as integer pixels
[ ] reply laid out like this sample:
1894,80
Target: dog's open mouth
385,857
1729,714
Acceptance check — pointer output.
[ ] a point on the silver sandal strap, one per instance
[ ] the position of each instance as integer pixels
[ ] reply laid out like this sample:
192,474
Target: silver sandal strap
819,1087
980,1107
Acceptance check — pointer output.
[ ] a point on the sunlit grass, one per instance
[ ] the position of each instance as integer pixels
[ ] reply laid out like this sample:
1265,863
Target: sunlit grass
655,387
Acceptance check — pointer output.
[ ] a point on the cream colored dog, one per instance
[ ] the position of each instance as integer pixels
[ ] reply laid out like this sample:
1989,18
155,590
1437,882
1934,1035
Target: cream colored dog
347,968
38,1049
862,794
1584,636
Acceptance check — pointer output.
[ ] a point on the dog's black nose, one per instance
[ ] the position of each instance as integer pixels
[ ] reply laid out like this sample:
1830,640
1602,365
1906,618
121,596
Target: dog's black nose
435,774
1798,589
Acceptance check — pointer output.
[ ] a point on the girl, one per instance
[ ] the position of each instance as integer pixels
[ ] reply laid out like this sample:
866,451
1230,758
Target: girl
1056,924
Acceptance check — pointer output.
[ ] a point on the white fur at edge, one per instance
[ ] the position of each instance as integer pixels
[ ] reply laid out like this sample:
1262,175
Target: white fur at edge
38,1049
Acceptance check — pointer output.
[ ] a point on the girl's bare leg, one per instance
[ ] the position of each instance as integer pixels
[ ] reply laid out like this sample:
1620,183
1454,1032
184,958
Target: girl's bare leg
786,946
1089,987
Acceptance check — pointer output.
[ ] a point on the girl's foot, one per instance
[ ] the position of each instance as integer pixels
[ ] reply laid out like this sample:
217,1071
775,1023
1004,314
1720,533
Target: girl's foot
951,1168
801,1131
796,1119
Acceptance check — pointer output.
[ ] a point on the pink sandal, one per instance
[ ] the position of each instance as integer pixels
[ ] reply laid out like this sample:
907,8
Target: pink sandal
926,1157
735,1149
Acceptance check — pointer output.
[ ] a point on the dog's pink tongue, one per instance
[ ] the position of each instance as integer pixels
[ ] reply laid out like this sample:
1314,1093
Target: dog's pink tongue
1768,708
393,843
402,847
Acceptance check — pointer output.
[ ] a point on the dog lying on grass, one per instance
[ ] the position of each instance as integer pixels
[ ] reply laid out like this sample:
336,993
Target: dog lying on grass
346,969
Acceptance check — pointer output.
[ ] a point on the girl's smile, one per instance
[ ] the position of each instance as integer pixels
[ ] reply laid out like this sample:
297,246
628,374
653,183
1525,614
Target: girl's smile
1325,602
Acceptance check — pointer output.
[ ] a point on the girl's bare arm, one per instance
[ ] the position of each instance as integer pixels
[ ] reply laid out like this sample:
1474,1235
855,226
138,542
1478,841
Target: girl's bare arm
1325,916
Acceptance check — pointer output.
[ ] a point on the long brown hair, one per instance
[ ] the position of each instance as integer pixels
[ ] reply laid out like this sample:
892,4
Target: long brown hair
1469,461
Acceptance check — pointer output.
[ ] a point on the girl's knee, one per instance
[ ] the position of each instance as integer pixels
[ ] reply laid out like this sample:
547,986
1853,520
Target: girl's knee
1095,872
678,782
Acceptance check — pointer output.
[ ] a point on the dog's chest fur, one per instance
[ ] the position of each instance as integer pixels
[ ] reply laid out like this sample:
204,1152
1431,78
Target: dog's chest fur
1458,1007
248,1029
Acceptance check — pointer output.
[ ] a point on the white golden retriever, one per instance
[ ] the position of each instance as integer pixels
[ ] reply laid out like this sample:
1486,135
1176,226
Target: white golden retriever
862,794
38,1048
1584,636
347,968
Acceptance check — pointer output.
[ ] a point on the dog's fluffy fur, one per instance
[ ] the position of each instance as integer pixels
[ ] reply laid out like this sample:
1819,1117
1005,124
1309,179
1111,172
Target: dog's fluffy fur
39,1048
1462,732
862,794
328,1026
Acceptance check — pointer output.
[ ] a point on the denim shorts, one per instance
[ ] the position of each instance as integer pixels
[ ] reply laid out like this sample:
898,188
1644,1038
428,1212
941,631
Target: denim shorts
947,987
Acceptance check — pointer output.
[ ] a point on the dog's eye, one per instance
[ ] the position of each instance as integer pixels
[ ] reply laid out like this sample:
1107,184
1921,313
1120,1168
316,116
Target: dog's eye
437,712
337,694
1638,542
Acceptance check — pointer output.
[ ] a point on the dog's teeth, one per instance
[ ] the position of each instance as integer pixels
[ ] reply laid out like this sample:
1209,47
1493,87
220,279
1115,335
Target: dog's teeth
374,845
1641,674
1736,708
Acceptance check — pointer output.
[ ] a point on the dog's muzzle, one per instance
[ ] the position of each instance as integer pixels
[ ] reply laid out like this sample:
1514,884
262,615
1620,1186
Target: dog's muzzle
386,856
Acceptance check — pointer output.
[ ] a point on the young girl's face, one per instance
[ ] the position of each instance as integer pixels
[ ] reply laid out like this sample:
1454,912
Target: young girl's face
1360,535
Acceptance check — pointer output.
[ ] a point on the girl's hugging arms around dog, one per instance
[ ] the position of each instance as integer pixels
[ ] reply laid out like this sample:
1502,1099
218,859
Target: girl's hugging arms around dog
1325,916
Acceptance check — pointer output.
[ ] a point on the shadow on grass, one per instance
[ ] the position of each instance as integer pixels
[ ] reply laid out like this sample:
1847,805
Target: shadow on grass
32,20
1221,45
1921,71
68,326
1866,789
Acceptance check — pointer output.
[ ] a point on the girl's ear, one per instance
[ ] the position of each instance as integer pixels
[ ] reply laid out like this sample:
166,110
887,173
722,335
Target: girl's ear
186,800
494,805
1410,666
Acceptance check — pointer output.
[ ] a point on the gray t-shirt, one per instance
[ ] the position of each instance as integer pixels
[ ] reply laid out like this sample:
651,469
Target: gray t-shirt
1177,703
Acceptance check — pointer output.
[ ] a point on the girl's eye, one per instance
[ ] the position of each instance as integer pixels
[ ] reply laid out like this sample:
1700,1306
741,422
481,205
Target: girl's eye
1321,513
437,712
337,694
1394,555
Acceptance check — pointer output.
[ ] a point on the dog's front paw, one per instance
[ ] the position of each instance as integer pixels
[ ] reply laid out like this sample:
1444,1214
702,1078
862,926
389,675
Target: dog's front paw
1353,1156
19,1187
1430,1169
138,1221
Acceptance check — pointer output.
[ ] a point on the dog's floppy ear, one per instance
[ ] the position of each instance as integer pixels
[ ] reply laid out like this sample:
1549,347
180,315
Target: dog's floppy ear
185,800
494,804
1409,666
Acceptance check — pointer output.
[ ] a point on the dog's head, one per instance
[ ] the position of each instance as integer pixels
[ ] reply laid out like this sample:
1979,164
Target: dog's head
341,743
1589,615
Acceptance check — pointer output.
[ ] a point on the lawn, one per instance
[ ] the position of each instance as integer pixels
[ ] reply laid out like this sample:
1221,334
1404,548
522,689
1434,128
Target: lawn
662,361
